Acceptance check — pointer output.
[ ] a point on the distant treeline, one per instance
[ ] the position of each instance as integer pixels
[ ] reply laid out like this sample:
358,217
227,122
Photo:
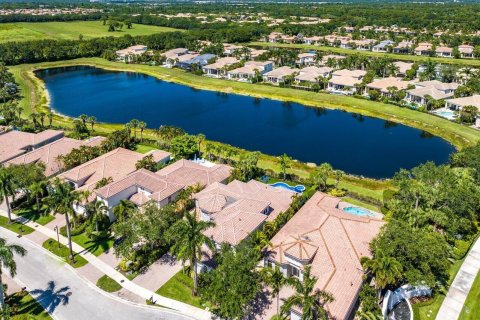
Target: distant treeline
48,18
12,53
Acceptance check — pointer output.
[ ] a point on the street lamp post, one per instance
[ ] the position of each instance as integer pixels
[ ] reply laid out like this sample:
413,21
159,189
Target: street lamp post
58,237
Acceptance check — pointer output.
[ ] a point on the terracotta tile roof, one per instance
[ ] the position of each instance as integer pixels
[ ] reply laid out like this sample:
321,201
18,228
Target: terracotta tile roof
48,154
189,173
15,143
385,83
403,66
429,91
334,241
438,85
281,72
239,208
466,101
114,164
221,62
349,73
312,73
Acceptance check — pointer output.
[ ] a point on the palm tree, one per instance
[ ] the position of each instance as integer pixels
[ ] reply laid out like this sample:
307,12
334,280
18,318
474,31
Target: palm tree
42,118
7,260
134,124
285,163
50,118
61,199
338,176
385,269
123,209
7,189
200,138
188,238
37,190
84,118
97,212
34,117
92,121
274,278
142,125
19,111
310,300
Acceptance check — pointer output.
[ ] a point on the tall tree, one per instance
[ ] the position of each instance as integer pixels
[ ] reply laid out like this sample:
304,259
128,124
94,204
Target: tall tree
308,299
7,188
188,240
386,270
123,209
7,261
285,163
274,278
61,199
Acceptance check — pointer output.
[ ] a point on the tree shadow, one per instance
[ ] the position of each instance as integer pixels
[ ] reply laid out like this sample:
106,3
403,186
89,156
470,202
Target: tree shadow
51,297
102,244
259,305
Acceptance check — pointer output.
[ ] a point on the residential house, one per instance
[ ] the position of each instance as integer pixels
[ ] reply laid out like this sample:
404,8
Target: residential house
312,74
219,68
230,49
172,56
140,187
364,44
466,51
15,143
126,55
457,104
254,53
403,67
274,37
49,153
306,59
277,76
249,70
332,242
330,57
445,52
239,208
190,173
402,47
344,81
113,165
423,49
198,60
312,40
383,85
383,46
435,89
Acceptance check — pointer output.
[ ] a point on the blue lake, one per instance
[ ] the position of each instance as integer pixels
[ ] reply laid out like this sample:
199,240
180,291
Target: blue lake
356,144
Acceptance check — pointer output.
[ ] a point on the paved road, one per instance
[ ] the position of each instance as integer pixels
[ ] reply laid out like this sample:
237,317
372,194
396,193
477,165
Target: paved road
52,281
457,293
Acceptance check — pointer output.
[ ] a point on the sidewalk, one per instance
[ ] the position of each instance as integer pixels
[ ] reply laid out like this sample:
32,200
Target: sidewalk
457,294
114,274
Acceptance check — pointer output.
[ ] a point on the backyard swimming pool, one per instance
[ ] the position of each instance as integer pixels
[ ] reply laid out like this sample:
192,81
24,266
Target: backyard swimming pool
298,188
445,113
358,211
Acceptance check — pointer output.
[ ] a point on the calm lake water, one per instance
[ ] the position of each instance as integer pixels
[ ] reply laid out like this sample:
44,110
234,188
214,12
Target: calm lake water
354,143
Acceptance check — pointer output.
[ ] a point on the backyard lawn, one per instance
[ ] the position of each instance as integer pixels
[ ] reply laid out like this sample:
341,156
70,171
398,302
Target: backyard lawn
32,214
95,247
180,287
471,308
63,252
24,307
108,284
15,226
26,31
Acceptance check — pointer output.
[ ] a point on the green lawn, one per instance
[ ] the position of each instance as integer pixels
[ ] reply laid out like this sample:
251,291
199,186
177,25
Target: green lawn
31,213
15,226
108,284
180,287
95,247
24,307
361,204
63,252
142,148
401,57
25,31
471,308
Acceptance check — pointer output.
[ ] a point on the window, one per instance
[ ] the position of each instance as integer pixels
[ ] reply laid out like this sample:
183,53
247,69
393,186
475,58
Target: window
295,272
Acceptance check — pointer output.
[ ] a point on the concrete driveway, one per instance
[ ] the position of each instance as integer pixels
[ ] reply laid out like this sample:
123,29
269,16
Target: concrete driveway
68,296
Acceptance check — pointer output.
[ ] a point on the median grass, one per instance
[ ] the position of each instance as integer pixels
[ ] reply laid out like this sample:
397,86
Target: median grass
24,307
28,31
395,56
471,308
108,284
15,226
62,251
180,287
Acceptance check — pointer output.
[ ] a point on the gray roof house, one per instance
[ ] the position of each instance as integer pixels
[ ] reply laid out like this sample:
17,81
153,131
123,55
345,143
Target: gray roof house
201,60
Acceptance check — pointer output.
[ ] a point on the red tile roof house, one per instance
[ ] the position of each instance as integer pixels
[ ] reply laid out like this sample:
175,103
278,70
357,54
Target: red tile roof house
458,103
434,88
423,49
140,187
445,52
248,71
466,51
306,59
48,154
171,56
125,55
344,81
16,143
312,74
383,84
115,164
218,69
238,209
332,242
